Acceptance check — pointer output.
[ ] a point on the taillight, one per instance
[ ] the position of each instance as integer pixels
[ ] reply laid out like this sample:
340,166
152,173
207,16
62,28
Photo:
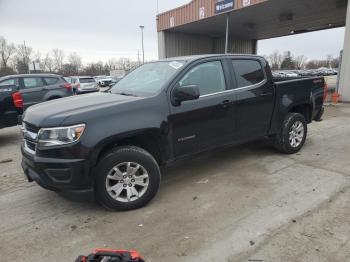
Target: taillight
17,100
325,91
68,86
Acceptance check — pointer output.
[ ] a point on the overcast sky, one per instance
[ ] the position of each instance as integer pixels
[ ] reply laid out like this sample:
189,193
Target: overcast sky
103,29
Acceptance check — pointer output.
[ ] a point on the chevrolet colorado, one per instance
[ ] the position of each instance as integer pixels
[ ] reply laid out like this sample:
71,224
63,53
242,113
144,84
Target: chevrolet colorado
114,142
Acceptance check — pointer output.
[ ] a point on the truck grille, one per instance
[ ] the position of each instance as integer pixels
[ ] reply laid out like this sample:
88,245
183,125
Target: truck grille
30,135
31,128
30,145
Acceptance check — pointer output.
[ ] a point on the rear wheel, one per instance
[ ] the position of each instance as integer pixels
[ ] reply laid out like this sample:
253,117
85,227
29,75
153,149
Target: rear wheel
128,178
292,135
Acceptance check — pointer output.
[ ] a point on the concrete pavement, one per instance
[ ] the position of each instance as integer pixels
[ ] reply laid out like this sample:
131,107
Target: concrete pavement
235,204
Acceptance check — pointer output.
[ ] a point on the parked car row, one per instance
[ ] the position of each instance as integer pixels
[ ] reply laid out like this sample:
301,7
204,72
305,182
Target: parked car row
83,84
106,81
304,73
18,92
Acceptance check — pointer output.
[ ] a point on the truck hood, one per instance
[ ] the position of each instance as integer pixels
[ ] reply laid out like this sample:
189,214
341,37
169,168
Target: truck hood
53,113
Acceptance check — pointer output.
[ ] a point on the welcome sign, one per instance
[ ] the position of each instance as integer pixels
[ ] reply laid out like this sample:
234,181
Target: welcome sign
224,5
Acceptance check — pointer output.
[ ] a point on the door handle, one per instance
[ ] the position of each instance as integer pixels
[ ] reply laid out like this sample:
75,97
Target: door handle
226,103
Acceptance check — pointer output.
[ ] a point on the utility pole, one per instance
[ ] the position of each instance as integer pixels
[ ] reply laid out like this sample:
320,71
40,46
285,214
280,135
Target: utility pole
143,48
138,57
26,59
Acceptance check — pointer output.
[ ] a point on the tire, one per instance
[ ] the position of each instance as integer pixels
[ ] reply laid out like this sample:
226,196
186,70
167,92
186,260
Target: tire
115,186
284,142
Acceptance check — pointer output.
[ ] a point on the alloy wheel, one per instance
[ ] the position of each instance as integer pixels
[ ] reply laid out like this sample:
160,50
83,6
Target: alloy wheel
127,181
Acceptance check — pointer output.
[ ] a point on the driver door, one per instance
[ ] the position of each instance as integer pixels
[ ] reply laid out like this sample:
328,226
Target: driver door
207,122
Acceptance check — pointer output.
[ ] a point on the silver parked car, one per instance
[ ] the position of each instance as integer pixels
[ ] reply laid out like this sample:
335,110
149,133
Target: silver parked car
84,84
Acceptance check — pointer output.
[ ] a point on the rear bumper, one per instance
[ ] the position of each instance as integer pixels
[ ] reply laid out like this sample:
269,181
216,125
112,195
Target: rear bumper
319,114
57,174
9,119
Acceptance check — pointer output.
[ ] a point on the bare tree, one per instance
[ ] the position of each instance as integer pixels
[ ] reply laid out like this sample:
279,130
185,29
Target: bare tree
23,58
37,56
75,61
48,63
112,64
300,62
58,57
329,60
6,51
335,62
276,59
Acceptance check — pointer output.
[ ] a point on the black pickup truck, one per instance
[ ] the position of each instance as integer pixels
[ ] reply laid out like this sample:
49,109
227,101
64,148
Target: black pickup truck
114,142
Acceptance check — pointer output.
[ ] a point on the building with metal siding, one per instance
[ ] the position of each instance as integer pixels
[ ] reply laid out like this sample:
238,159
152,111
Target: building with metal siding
171,44
235,26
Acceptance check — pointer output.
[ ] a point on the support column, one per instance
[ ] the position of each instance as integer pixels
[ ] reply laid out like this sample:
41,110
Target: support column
161,45
227,30
344,82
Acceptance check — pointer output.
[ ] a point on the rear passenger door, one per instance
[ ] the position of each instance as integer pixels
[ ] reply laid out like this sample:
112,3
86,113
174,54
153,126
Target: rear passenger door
32,89
254,98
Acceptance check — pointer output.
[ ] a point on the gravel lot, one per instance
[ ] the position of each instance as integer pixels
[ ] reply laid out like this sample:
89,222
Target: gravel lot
237,204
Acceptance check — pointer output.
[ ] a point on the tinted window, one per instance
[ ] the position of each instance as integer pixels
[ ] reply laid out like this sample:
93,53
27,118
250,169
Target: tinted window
248,72
51,80
209,77
32,82
86,80
12,81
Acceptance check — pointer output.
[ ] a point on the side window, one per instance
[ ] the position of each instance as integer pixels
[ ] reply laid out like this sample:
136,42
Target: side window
51,80
32,82
8,82
209,77
248,72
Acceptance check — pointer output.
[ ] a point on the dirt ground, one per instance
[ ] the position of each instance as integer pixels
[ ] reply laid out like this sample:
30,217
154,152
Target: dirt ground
247,203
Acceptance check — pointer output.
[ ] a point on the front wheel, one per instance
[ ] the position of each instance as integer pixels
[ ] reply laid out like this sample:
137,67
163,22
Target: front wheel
292,135
128,178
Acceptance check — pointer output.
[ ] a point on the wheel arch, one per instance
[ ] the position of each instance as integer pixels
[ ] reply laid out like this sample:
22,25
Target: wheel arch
304,109
148,139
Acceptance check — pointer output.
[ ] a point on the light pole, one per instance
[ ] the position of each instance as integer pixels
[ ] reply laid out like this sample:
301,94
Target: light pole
143,48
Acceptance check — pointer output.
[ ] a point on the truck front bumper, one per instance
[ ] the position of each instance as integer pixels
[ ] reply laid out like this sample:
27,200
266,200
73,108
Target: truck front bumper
57,174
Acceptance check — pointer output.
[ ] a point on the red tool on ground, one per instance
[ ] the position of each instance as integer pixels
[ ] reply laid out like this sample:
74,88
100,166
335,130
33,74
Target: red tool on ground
109,255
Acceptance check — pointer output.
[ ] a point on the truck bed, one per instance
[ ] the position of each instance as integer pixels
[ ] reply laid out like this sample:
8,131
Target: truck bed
305,91
8,112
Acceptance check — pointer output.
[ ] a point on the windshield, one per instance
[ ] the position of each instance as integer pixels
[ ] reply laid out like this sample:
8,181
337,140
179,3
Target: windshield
148,79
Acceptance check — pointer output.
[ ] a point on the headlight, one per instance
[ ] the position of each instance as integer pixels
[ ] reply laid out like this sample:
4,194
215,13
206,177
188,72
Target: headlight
60,135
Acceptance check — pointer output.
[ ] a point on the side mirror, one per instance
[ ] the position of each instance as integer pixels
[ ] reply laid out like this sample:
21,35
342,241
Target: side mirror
185,93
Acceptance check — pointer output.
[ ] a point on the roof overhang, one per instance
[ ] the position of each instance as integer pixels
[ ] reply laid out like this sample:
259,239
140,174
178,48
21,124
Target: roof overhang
272,18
